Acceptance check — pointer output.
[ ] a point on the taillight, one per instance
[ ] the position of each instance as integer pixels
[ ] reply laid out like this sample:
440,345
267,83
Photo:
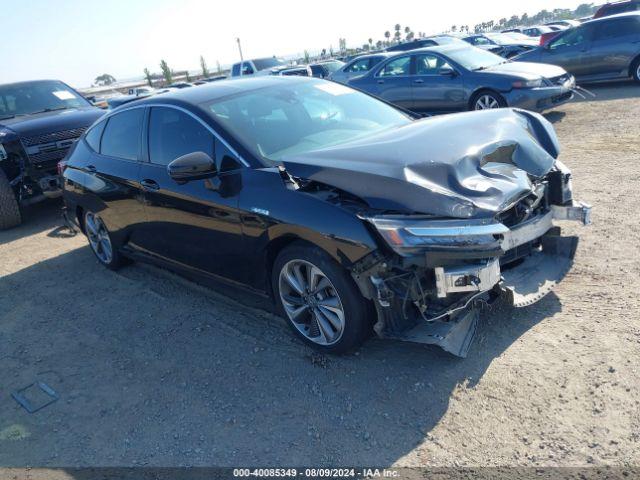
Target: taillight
62,165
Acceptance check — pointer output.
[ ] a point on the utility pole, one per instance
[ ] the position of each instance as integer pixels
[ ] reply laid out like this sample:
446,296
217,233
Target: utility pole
241,59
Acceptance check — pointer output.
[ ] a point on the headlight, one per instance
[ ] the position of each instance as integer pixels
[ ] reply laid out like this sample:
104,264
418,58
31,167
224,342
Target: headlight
528,83
406,235
3,153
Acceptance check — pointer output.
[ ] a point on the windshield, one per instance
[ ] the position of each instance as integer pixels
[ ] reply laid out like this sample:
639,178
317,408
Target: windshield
444,40
264,63
517,36
35,97
295,118
503,38
474,58
332,66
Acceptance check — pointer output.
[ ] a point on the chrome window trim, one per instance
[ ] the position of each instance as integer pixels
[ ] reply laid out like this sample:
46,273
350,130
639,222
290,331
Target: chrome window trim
193,115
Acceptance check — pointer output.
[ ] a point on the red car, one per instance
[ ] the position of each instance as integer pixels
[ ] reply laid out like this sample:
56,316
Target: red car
617,7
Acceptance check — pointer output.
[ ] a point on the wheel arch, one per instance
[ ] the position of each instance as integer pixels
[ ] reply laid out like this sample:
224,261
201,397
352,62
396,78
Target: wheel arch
476,93
634,64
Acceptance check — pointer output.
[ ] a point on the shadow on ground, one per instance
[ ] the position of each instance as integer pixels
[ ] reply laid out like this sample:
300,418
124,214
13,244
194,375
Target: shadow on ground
154,370
35,219
614,90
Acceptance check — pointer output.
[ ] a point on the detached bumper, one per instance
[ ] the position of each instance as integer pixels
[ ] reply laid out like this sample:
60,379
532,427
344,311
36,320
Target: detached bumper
523,282
540,99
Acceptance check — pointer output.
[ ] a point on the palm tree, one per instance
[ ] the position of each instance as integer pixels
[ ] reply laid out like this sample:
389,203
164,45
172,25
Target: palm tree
387,35
218,66
203,66
166,72
454,28
147,75
370,43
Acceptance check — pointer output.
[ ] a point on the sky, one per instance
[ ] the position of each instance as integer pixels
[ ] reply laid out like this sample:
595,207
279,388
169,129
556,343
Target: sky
77,40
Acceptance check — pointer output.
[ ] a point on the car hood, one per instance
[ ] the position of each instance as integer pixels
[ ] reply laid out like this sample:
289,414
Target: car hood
473,164
527,69
48,122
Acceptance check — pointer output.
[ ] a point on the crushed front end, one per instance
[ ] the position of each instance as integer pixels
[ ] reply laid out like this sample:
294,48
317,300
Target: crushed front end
443,271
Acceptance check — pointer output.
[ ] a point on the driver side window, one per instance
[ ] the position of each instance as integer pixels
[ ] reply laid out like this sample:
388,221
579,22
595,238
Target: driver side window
573,37
399,66
173,133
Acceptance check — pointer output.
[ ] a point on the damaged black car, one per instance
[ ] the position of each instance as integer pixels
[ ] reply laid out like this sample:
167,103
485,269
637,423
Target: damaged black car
352,215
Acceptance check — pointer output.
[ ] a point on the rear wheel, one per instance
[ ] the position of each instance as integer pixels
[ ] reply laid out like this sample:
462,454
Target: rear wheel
9,209
487,100
319,299
101,242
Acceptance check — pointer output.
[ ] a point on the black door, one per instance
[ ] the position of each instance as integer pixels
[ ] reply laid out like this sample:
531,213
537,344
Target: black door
113,170
197,223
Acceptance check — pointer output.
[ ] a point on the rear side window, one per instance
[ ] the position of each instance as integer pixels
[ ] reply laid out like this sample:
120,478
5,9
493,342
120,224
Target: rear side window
121,137
618,28
93,136
399,66
358,66
173,133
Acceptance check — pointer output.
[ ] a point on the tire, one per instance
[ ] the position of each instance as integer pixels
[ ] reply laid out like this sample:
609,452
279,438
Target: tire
635,70
318,321
9,208
489,98
101,242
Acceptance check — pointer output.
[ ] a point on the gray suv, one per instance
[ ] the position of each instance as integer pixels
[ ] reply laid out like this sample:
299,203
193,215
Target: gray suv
600,49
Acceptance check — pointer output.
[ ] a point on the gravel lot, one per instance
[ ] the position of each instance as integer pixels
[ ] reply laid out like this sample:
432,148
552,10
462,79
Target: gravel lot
154,370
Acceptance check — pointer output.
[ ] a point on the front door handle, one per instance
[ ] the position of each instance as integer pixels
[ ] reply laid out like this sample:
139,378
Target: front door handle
380,82
149,185
91,168
418,81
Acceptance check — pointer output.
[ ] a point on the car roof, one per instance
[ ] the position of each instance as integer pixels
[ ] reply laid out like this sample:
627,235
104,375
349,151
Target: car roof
452,47
611,17
26,82
221,89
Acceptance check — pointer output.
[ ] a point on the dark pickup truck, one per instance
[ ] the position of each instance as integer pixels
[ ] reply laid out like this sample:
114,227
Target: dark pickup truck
39,121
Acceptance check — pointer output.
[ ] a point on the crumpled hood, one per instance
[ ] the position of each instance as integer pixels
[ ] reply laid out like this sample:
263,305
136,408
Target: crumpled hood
48,122
464,165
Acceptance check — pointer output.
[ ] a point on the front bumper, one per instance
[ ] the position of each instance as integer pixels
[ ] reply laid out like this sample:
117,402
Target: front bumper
542,98
549,257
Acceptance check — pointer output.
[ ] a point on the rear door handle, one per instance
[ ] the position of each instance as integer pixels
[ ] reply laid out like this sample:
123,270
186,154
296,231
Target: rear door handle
91,169
149,184
380,82
418,81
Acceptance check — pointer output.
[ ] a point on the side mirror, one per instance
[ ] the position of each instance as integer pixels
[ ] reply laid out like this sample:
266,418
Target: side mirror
192,166
447,72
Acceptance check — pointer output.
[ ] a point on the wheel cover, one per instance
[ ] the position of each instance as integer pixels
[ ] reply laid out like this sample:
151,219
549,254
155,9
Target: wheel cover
485,102
638,72
98,237
311,302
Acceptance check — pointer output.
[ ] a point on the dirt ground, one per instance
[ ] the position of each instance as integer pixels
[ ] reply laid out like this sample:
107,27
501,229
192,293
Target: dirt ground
154,370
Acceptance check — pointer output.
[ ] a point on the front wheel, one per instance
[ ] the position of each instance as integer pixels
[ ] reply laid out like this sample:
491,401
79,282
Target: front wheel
487,101
319,299
101,242
9,209
635,70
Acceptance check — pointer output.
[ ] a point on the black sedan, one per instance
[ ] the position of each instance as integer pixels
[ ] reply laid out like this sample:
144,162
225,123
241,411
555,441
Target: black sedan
461,77
353,216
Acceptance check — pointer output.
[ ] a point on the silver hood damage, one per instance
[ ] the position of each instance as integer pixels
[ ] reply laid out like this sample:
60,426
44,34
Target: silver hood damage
464,206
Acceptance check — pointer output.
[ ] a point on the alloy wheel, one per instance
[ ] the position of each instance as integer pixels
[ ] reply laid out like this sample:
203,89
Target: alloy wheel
485,102
98,238
311,302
